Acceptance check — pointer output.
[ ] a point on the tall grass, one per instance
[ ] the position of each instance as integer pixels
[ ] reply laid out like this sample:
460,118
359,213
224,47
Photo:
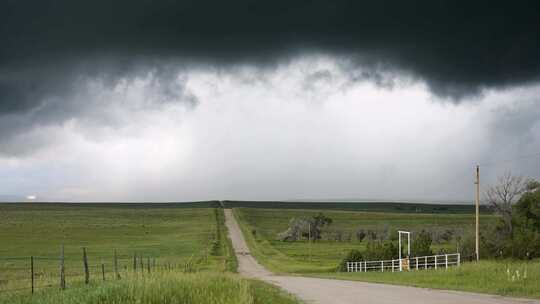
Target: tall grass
507,278
162,288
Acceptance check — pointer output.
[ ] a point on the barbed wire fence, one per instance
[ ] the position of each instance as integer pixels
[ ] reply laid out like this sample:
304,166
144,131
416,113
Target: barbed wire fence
34,273
19,274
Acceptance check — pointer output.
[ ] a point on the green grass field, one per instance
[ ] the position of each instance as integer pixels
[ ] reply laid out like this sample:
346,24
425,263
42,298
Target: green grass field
195,240
320,258
507,278
171,236
261,227
180,239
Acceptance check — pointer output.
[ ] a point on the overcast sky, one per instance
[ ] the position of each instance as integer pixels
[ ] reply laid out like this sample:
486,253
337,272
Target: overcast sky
276,100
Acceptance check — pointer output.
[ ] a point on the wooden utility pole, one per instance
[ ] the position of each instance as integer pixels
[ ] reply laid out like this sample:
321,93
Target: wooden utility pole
32,272
62,269
309,240
117,274
85,264
477,211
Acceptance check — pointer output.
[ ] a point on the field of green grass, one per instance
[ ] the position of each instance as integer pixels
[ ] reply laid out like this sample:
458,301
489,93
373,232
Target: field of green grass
319,259
167,233
194,259
193,243
171,236
261,227
507,278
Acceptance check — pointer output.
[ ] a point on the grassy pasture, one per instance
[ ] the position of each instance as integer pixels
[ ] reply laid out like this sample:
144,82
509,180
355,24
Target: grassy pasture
509,278
171,235
174,234
324,256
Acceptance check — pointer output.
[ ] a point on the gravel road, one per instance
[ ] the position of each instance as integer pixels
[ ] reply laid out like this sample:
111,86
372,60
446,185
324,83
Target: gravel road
328,291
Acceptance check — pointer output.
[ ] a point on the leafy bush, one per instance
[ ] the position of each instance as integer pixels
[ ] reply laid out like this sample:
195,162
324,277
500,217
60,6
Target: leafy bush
421,245
527,211
304,227
381,250
215,248
353,256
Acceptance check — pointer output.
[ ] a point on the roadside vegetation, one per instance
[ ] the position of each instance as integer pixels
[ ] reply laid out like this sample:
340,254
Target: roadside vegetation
163,288
502,277
350,230
295,241
185,256
517,232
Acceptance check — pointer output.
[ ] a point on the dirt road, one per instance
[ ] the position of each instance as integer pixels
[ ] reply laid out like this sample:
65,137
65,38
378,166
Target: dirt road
327,291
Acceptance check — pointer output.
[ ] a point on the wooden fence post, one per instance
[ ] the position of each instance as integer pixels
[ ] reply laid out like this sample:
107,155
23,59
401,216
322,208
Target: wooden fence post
148,264
134,262
85,262
32,272
62,270
116,265
103,270
141,263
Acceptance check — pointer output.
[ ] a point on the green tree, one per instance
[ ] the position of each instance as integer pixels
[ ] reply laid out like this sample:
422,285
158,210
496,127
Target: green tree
518,235
421,245
317,223
527,210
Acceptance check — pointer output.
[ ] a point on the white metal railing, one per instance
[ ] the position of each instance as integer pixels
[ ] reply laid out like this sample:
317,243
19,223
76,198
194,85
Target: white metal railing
414,263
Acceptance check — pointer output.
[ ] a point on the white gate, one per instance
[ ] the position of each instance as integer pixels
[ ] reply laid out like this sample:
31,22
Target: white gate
415,263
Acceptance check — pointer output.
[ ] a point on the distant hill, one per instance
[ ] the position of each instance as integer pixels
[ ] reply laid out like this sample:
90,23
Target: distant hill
400,207
403,207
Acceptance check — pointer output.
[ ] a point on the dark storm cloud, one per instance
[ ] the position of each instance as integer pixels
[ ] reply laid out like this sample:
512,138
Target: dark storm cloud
49,95
457,47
